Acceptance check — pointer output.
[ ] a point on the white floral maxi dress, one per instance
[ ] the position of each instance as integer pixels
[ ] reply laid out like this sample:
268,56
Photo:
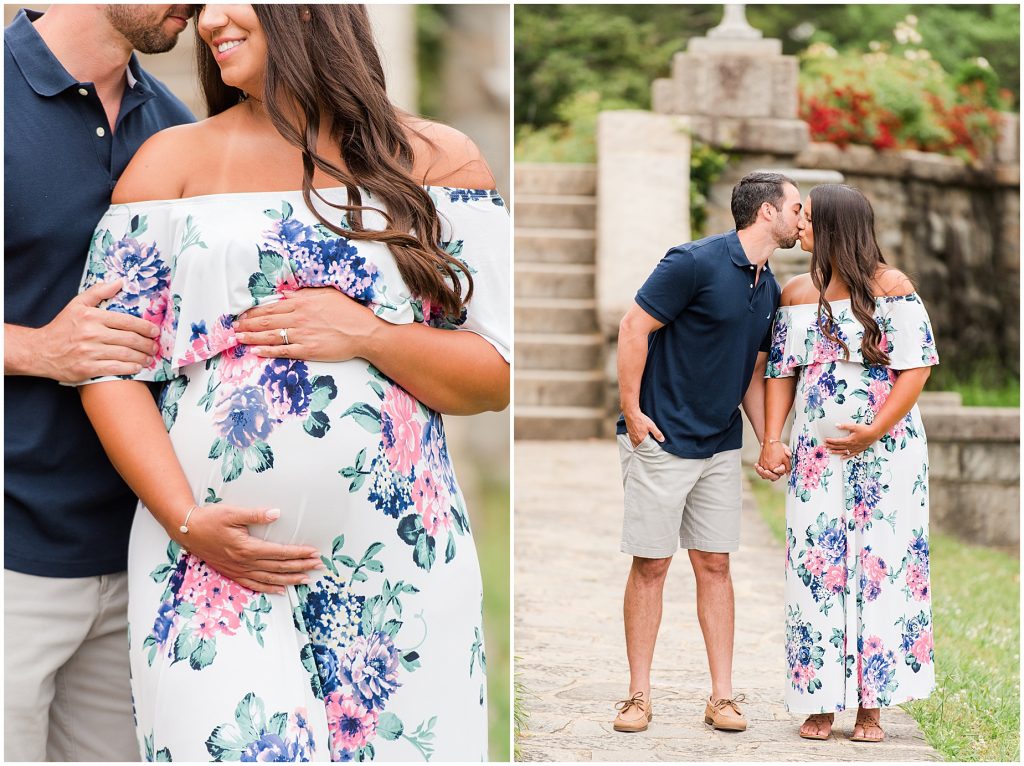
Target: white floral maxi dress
381,656
858,601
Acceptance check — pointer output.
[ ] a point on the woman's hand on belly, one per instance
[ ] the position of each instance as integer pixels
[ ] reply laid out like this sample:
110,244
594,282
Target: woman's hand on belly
219,535
861,437
323,325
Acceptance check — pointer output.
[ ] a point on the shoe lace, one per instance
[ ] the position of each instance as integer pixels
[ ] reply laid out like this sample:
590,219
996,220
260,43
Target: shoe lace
733,703
637,700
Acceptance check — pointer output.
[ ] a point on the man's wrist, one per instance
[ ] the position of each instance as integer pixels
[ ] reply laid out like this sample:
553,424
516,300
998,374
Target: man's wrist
24,352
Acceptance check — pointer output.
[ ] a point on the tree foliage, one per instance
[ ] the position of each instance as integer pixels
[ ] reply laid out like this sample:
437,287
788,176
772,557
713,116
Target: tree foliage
616,51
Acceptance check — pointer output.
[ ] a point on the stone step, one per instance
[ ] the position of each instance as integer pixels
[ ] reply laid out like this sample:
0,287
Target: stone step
563,315
558,351
555,246
555,178
553,211
560,388
554,280
559,422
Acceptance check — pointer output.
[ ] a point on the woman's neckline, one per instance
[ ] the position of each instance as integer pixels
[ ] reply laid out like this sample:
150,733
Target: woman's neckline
843,300
477,194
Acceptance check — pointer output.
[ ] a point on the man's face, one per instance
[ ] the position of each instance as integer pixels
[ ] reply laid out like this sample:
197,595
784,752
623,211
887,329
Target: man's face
787,222
149,28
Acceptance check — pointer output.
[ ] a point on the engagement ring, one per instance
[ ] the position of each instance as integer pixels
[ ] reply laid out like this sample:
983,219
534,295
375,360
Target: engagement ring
284,338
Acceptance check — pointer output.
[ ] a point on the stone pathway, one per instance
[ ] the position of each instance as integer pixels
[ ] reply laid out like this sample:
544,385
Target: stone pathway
569,645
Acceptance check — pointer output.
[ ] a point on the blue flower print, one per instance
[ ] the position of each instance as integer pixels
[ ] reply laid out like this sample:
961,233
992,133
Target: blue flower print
287,386
144,272
244,418
270,747
198,329
370,666
833,544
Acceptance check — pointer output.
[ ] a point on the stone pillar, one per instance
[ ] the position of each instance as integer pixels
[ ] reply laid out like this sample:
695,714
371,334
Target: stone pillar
738,89
394,29
643,203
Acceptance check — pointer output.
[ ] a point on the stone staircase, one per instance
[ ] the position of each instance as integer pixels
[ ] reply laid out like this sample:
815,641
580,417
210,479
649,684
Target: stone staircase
560,381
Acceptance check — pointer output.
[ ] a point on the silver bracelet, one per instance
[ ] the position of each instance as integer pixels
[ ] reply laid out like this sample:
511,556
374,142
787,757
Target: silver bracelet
184,526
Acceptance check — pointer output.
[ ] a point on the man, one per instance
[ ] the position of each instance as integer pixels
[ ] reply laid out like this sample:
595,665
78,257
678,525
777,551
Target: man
77,107
691,350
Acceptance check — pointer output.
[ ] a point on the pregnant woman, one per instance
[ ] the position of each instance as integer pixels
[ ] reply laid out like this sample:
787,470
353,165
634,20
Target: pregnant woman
307,194
853,346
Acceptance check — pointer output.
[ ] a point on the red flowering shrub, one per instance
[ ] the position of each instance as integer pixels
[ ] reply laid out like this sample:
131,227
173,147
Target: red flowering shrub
891,101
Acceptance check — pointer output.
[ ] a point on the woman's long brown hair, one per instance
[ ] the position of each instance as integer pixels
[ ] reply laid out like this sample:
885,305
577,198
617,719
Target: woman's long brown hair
844,235
322,61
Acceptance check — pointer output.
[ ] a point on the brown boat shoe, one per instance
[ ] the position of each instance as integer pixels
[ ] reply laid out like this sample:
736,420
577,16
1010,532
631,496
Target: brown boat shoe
638,722
725,714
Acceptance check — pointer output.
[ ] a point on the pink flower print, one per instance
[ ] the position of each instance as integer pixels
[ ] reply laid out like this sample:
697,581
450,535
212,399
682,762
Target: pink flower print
237,364
432,503
868,697
811,375
351,725
400,430
917,581
815,562
873,566
878,392
862,514
923,647
872,645
801,675
835,579
286,283
821,456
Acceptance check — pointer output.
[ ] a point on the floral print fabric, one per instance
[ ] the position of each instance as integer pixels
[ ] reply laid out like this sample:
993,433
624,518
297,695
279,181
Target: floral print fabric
858,608
380,656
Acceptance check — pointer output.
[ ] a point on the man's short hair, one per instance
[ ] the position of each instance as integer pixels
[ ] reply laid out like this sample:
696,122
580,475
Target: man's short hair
752,191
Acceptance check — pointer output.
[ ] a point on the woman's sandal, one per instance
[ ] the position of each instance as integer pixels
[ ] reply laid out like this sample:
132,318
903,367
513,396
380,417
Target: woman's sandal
817,719
866,723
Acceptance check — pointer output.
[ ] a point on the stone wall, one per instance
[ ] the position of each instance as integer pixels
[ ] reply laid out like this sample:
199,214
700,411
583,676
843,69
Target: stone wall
974,474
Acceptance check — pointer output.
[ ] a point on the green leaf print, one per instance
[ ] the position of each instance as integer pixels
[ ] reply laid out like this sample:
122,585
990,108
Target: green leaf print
211,497
409,528
183,647
204,654
410,660
259,286
286,209
272,214
224,744
449,550
250,717
423,553
278,724
172,393
270,263
259,457
365,415
389,726
231,466
137,226
217,449
317,424
324,392
423,738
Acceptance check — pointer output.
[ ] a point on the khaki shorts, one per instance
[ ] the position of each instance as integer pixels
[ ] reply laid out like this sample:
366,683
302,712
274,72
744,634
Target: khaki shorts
673,502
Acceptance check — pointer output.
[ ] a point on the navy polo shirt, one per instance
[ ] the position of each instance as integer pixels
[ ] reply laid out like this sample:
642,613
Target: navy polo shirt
699,364
66,511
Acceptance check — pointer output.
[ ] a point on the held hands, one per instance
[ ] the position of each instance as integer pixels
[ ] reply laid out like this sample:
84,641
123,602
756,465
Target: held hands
861,437
322,323
219,535
774,461
639,426
84,341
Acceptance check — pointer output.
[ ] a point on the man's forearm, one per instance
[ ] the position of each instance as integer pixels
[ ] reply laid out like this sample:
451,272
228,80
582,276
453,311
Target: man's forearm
19,356
753,406
631,354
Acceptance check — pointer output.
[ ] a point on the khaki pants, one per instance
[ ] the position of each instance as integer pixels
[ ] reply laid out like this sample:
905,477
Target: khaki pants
67,695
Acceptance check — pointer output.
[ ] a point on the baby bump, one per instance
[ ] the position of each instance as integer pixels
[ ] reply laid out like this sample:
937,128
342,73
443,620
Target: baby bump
828,396
318,441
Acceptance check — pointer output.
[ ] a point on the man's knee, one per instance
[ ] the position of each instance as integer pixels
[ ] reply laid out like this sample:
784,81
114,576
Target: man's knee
710,565
650,571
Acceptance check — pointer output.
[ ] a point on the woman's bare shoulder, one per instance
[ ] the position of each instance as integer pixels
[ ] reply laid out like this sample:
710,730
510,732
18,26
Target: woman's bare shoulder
160,168
445,156
799,289
892,282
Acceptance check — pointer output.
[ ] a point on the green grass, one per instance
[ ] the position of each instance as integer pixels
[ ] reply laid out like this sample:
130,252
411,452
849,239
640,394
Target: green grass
986,386
522,715
974,713
491,530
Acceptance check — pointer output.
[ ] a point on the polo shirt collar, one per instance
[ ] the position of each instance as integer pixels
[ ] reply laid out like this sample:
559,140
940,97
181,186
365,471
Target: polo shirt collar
42,70
736,251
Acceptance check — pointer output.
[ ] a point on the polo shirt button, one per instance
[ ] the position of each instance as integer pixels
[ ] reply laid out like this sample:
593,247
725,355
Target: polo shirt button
83,91
101,132
751,285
